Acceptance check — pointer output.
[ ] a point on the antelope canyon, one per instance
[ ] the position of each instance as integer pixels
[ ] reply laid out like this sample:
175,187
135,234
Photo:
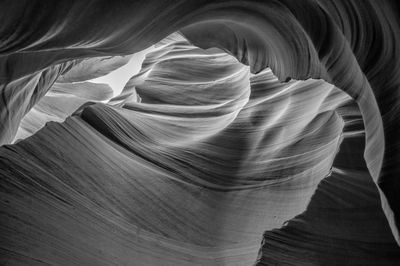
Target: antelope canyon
198,132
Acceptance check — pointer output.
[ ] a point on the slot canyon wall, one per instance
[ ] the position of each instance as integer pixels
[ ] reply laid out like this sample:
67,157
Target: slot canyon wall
255,133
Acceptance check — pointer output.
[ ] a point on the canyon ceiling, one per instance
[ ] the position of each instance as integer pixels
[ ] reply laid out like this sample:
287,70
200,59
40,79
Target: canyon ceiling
255,133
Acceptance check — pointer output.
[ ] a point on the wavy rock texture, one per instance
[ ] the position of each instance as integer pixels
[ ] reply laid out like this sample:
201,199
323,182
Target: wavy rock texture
61,101
212,154
347,201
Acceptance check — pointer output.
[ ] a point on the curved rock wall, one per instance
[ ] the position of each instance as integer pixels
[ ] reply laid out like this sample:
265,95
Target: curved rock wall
204,150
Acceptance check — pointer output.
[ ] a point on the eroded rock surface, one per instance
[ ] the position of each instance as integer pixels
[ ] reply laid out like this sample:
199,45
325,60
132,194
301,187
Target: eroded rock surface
256,132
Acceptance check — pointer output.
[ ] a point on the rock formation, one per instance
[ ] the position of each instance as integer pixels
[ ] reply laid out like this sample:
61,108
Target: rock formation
255,133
